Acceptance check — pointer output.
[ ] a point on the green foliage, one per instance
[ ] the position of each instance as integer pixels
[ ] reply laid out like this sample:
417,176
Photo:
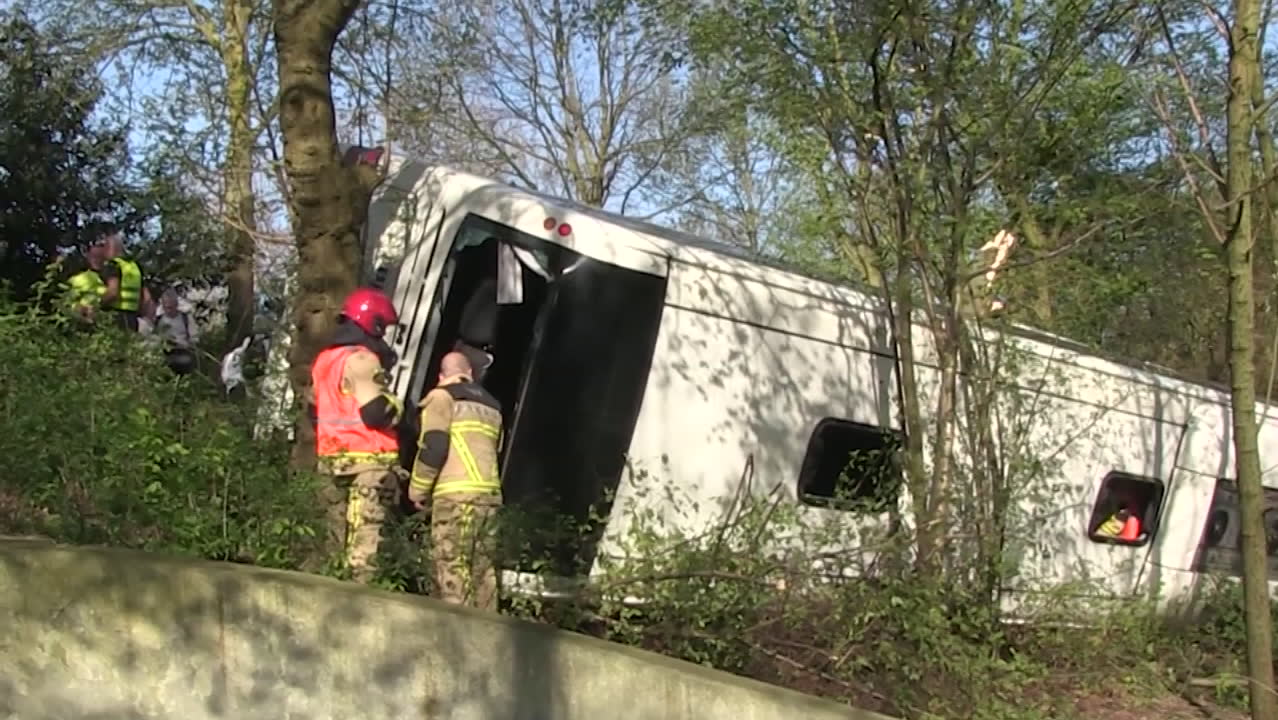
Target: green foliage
107,446
115,450
885,639
180,242
1209,653
757,595
58,169
1118,297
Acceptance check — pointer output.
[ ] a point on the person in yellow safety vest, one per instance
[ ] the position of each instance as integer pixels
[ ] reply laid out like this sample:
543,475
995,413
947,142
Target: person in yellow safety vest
86,288
356,419
125,294
1125,523
456,469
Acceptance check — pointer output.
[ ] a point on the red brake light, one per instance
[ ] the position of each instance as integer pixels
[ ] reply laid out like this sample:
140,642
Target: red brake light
564,230
548,223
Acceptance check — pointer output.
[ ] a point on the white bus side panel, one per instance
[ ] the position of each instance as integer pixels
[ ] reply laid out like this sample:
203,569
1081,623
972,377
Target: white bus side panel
721,391
1208,457
1077,446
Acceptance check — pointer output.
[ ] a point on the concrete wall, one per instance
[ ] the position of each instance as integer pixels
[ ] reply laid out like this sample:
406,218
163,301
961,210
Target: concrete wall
103,633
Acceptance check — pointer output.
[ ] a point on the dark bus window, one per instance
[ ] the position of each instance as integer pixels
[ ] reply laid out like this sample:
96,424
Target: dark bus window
570,367
1220,544
585,383
850,466
1123,498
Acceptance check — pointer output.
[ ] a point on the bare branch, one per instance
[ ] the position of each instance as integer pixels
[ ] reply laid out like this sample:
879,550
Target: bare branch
561,97
1204,134
1208,214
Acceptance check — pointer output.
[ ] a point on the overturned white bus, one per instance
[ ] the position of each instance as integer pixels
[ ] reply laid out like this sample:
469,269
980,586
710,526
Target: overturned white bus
621,346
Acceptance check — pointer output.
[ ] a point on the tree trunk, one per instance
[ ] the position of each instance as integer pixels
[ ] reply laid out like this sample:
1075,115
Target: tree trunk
912,416
238,194
990,481
1244,64
330,200
947,348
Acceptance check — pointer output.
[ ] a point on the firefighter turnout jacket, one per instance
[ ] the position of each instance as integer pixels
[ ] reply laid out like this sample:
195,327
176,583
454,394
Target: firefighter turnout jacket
354,412
458,442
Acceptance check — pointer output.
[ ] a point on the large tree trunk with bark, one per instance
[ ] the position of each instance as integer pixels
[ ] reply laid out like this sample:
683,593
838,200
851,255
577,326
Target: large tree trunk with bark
1244,65
238,176
330,199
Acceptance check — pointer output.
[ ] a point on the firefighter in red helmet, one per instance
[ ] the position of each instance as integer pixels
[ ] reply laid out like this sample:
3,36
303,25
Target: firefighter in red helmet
356,420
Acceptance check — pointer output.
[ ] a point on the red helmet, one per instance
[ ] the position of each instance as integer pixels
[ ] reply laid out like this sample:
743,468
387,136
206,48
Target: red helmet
371,310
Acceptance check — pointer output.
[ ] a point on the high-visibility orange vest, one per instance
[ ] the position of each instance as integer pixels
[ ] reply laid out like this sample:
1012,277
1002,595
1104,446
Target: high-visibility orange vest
340,433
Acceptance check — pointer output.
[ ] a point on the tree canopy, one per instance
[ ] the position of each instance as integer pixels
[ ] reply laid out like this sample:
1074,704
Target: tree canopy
61,168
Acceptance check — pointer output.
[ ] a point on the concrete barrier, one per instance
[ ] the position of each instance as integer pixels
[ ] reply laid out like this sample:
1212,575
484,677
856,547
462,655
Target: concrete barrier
105,633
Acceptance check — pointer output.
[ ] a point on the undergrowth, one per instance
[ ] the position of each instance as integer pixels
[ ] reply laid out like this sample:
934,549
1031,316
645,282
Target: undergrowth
105,446
750,596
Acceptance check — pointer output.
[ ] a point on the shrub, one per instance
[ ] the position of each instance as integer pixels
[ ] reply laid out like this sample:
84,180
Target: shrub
105,446
885,639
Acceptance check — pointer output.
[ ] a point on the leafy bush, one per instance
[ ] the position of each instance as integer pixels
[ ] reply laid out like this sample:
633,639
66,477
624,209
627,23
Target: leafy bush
106,446
1209,654
885,639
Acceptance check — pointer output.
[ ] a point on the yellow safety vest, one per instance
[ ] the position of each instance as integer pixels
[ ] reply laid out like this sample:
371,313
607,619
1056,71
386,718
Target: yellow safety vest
86,289
130,297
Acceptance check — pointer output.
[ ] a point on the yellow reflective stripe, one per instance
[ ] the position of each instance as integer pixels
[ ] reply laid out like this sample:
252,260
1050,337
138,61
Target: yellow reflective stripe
466,457
337,462
340,455
337,421
475,426
474,482
417,482
466,521
456,432
353,515
1111,527
451,487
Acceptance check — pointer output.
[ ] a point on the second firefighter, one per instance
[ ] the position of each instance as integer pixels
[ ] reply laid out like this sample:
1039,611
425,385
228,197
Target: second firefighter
456,472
